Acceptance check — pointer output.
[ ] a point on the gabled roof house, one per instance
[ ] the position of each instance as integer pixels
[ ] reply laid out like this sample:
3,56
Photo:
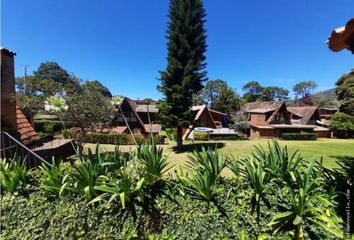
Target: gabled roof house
271,119
140,116
206,117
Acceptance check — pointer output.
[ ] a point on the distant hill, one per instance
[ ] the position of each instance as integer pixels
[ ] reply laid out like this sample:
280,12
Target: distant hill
329,94
325,98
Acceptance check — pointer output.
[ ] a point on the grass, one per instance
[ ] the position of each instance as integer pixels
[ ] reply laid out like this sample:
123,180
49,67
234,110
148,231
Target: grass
329,149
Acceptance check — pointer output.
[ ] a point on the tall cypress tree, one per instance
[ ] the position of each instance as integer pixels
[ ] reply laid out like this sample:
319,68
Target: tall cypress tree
185,72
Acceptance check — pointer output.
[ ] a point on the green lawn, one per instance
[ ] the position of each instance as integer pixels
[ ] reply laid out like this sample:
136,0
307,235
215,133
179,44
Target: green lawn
329,149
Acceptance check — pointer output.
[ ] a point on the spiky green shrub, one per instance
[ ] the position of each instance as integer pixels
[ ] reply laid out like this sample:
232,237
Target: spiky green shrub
257,177
55,180
154,162
204,171
124,190
307,206
12,173
277,161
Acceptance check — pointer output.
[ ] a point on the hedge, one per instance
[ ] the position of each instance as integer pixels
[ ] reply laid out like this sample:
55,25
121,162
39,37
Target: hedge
201,136
48,126
204,137
298,136
113,138
228,137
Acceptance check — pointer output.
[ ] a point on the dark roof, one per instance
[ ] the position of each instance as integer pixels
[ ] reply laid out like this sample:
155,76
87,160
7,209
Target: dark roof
262,107
142,106
24,128
305,113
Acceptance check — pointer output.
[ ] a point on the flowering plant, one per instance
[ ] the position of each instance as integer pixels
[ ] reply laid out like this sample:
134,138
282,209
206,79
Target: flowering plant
55,104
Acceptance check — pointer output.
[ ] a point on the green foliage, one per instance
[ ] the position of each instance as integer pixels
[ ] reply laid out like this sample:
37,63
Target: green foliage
112,138
48,126
345,93
184,73
12,174
307,205
85,176
55,181
278,162
171,133
201,136
299,136
227,137
123,189
304,88
228,101
293,199
342,121
211,91
154,162
96,86
257,178
274,94
204,172
256,92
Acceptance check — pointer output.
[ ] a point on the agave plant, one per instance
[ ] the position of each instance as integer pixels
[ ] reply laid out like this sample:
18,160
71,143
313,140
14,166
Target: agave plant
257,178
85,176
109,162
124,189
277,161
154,162
204,171
54,180
307,205
12,174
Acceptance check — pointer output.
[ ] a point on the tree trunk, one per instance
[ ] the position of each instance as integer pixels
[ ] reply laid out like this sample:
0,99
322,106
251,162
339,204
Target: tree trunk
179,137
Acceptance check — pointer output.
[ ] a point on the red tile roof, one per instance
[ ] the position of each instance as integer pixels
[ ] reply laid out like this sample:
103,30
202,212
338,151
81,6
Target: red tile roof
24,128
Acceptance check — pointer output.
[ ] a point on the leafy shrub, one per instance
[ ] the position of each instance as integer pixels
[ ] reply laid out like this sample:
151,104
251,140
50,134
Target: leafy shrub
12,174
233,137
201,136
48,126
298,136
113,138
171,133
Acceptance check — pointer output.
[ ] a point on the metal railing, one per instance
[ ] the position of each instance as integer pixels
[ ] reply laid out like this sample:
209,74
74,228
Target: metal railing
12,148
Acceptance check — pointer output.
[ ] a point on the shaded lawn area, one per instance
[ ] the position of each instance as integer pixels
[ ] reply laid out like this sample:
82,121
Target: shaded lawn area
329,149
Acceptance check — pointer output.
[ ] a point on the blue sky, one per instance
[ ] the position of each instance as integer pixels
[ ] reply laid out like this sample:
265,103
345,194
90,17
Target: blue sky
122,42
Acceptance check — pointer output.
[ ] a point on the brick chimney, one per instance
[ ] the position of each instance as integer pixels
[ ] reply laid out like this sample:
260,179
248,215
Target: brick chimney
8,94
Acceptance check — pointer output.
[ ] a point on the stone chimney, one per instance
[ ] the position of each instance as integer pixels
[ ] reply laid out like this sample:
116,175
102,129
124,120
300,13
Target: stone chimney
8,94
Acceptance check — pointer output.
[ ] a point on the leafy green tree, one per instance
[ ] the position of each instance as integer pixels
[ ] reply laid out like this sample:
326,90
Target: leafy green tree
253,91
342,122
184,73
228,101
345,93
240,119
274,94
212,90
52,71
50,79
304,88
97,86
88,108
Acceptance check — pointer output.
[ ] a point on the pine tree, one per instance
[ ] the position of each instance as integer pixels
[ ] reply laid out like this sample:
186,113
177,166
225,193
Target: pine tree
185,72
